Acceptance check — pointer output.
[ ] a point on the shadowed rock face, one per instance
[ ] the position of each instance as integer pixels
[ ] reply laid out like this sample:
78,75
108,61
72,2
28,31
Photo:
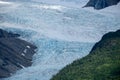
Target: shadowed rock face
100,4
14,53
4,34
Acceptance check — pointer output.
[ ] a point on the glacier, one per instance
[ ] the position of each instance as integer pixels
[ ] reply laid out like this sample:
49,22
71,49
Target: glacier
61,29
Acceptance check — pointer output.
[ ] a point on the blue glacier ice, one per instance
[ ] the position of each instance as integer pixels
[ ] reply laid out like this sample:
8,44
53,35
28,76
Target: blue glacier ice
62,33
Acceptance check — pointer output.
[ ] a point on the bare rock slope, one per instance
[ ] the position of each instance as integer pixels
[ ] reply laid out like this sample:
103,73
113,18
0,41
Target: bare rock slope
14,53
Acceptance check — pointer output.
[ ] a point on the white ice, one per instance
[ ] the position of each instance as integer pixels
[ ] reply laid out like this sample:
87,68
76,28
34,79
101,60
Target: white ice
28,47
23,54
4,2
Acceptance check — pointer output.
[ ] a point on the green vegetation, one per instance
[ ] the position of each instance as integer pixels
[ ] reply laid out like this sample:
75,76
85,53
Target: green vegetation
103,62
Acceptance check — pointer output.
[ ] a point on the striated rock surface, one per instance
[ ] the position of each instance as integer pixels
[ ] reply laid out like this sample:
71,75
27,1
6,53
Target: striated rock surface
100,4
14,53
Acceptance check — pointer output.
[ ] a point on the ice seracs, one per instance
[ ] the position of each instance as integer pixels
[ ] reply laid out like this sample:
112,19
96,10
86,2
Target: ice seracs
52,7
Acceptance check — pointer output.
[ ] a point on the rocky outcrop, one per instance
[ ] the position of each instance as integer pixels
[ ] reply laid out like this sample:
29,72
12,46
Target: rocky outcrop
14,53
100,4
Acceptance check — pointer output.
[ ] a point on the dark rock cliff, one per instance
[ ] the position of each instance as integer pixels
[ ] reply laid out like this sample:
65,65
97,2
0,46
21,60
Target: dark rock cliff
100,4
14,53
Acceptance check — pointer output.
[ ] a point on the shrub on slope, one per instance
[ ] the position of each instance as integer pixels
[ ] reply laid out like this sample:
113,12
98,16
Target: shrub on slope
103,62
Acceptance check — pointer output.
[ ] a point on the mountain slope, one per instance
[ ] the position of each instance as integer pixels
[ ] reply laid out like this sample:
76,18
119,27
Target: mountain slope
100,4
103,62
